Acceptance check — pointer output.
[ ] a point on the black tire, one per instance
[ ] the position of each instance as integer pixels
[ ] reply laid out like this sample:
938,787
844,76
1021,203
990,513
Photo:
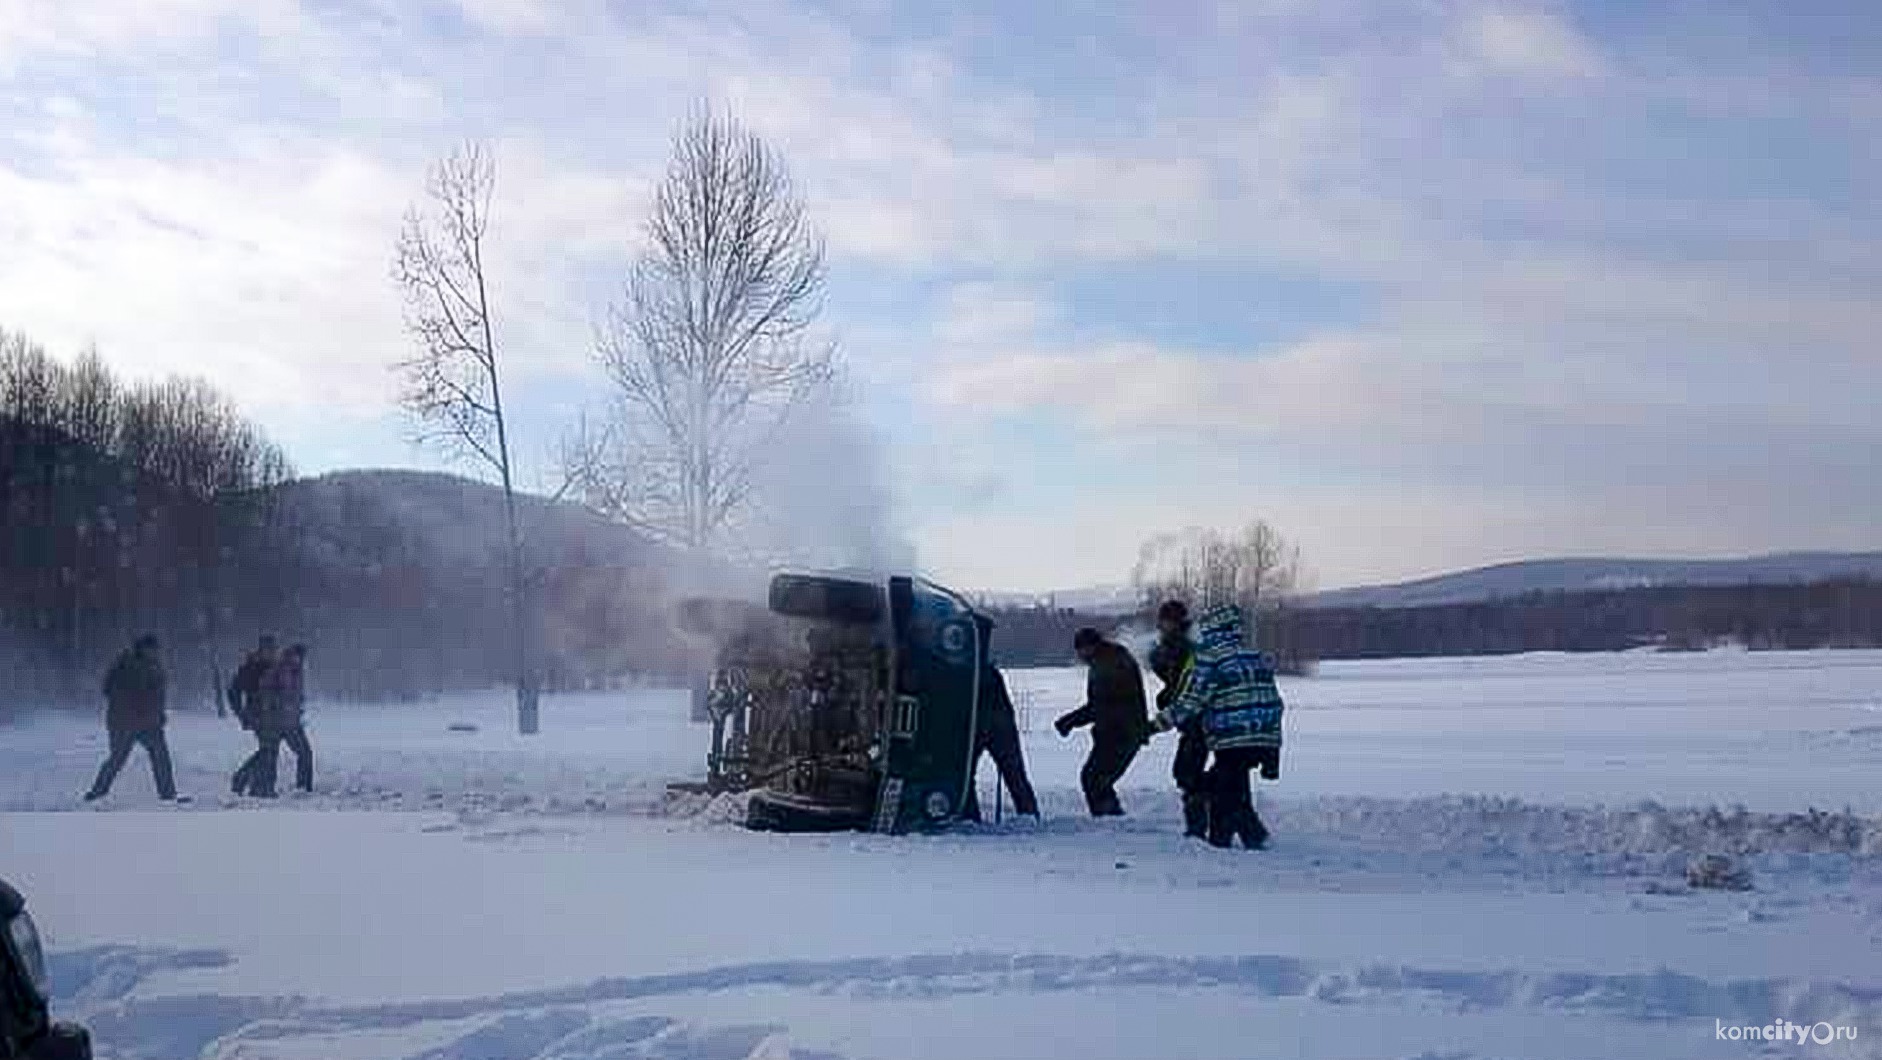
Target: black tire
830,599
771,811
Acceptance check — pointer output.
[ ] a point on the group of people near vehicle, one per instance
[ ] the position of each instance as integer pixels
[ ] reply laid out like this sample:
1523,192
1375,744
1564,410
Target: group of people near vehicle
1218,693
268,696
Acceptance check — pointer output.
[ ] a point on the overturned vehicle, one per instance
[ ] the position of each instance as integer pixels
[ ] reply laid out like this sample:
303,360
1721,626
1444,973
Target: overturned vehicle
848,703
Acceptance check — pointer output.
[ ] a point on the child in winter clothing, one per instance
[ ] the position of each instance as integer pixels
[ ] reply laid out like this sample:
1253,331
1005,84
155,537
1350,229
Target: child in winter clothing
1231,688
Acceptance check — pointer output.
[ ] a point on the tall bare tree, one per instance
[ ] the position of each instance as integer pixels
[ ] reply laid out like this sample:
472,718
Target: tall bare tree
1254,567
709,349
453,383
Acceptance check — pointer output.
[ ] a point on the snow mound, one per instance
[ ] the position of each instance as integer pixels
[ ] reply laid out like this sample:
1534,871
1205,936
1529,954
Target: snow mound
1490,825
1717,872
726,808
729,808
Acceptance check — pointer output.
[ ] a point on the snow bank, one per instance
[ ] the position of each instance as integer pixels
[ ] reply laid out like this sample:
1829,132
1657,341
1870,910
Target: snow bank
1483,825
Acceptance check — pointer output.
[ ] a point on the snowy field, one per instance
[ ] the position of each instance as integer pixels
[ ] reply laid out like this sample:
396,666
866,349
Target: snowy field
1474,858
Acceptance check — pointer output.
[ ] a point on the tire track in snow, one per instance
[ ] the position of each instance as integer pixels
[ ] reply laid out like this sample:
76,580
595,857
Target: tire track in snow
544,1023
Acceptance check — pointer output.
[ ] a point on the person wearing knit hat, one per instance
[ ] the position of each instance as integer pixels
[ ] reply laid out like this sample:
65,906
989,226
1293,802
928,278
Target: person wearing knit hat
1115,710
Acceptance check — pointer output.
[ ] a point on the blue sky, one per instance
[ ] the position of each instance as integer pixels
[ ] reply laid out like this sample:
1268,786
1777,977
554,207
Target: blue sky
1425,285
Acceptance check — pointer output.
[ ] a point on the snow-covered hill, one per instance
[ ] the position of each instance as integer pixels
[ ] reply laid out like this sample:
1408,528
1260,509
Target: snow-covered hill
1513,579
1572,575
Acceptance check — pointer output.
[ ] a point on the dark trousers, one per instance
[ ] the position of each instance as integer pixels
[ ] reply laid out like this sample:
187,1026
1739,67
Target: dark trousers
1106,764
1231,798
1192,758
243,782
264,765
1002,743
121,744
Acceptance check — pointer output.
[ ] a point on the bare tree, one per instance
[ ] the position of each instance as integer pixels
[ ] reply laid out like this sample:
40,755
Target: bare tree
453,383
708,350
1255,567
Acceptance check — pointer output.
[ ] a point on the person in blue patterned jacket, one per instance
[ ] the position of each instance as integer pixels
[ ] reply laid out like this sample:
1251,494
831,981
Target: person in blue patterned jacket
1231,689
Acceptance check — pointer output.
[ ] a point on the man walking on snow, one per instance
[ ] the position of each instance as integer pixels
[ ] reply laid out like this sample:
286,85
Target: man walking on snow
289,686
1115,710
1170,660
281,720
246,700
134,701
1231,689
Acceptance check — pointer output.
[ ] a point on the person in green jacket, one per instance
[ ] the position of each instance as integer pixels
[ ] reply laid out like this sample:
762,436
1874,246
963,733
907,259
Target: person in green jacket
1170,660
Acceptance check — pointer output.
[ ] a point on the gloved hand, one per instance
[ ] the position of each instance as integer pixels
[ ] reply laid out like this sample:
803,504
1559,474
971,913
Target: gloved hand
1064,726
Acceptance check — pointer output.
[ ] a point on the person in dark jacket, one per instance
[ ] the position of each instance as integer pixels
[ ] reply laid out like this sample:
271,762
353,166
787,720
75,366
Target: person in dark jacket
245,699
1170,660
134,700
1115,710
282,720
997,733
1231,688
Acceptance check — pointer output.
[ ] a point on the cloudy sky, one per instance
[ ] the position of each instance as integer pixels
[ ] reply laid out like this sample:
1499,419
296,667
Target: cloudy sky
1425,284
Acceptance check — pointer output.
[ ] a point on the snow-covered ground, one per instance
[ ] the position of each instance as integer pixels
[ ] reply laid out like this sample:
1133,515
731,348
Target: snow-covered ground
1474,858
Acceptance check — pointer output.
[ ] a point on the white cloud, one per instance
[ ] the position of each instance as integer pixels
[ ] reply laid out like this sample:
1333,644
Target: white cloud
247,271
267,270
516,16
1529,42
1021,552
1551,407
1587,339
98,27
1334,386
974,314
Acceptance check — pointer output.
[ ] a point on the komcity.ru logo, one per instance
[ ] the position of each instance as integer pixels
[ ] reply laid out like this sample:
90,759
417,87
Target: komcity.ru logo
1785,1031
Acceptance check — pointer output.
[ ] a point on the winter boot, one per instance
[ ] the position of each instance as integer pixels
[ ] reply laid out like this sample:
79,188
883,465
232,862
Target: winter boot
1221,831
1195,815
1254,834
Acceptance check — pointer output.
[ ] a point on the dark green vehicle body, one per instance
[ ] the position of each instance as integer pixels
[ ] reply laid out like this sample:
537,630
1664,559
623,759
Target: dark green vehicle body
937,678
27,1030
849,702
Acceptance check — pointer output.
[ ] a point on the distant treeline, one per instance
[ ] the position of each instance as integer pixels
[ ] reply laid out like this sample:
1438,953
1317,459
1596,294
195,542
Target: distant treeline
1039,636
122,508
1832,614
1845,613
156,507
1042,636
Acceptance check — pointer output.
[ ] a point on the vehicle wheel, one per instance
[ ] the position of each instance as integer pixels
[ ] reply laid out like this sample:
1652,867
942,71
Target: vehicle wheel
830,599
770,811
